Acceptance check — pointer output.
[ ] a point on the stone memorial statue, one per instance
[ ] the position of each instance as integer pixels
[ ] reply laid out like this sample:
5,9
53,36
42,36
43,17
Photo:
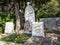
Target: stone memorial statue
29,15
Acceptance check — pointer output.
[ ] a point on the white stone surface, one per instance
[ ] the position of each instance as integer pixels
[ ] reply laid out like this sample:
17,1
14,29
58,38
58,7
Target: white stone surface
38,29
9,27
29,13
2,43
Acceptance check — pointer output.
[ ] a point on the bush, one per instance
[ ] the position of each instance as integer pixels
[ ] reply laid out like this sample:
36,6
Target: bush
50,9
5,17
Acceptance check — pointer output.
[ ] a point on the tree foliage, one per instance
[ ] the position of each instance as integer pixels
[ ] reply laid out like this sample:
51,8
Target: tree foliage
50,9
43,9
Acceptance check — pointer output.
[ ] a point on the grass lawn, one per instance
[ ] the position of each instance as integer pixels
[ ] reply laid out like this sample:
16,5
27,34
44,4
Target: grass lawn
16,38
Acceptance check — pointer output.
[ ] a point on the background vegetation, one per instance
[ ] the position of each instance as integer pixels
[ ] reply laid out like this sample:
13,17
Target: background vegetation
5,17
49,9
10,10
13,10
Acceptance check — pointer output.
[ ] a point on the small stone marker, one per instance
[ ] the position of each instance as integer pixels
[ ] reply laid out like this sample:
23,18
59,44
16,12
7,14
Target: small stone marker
50,23
38,29
9,27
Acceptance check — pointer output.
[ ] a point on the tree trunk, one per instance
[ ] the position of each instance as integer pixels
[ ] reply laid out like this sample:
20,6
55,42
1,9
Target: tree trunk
17,17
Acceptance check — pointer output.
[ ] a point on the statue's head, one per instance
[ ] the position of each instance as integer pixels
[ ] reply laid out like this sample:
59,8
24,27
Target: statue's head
28,3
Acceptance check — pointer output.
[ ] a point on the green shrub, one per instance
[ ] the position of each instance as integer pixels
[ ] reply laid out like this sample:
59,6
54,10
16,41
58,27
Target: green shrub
50,9
5,17
16,38
0,30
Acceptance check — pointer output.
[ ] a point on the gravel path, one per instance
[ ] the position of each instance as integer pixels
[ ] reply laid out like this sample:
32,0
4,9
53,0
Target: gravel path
8,43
